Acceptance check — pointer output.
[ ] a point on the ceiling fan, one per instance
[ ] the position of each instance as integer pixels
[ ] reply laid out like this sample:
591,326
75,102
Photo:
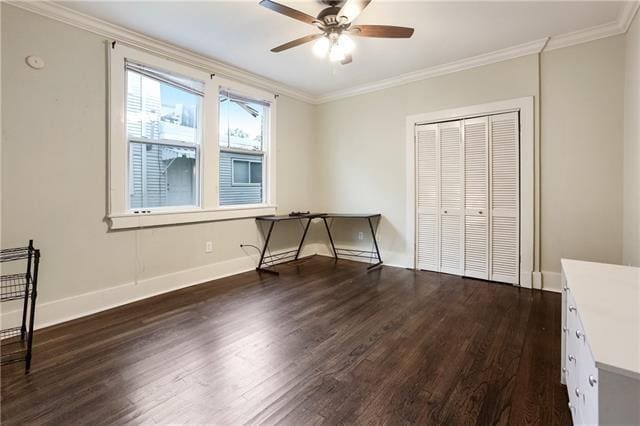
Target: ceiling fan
336,24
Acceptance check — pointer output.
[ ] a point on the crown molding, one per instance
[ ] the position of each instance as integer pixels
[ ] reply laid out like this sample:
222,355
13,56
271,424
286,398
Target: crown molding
53,10
517,51
56,11
628,12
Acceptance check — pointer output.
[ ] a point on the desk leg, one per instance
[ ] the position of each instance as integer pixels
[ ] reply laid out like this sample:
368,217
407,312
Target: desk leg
304,234
264,249
326,225
375,243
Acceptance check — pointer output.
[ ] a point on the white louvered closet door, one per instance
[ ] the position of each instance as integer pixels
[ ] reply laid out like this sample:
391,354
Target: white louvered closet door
505,198
451,197
476,197
428,197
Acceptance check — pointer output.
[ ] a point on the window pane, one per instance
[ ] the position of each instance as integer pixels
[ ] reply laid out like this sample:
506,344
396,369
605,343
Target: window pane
232,192
256,172
242,123
240,171
158,110
161,176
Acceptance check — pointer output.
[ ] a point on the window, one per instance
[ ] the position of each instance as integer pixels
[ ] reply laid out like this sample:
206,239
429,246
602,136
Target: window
243,140
183,149
246,172
164,133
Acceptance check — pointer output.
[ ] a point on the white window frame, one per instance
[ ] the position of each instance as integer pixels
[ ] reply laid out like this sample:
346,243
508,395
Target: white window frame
233,175
119,214
268,147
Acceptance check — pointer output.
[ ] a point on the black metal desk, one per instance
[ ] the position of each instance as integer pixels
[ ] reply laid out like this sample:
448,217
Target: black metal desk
290,255
285,256
367,254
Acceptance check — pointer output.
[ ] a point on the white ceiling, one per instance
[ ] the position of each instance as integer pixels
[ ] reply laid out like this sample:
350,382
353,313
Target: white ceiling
241,33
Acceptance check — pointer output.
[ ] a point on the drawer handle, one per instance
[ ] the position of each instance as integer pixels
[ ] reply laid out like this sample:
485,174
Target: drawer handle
570,405
578,392
565,329
572,308
579,334
592,381
572,358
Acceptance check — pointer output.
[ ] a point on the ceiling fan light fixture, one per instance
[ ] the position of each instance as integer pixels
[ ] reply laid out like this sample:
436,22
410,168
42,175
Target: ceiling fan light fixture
337,53
346,43
321,47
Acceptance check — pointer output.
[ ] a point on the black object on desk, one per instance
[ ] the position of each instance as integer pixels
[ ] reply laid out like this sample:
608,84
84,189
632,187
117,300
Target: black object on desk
289,255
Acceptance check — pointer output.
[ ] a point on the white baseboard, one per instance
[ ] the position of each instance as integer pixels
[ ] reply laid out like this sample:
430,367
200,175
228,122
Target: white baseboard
57,311
61,310
397,260
537,280
552,281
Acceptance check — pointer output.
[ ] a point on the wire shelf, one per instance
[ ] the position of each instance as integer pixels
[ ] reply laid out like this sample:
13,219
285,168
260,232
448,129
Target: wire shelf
9,254
13,286
9,332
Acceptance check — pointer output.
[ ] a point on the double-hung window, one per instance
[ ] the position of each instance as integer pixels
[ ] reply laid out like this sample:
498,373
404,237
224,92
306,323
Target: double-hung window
164,133
184,144
244,133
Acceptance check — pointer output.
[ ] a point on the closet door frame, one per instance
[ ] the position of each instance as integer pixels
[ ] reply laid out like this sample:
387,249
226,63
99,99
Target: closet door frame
525,106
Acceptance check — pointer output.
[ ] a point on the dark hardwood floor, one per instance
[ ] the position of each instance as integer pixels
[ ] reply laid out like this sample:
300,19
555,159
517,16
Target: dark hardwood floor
324,342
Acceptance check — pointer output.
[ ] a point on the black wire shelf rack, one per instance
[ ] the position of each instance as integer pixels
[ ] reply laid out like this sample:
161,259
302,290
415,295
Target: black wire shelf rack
17,342
10,254
14,287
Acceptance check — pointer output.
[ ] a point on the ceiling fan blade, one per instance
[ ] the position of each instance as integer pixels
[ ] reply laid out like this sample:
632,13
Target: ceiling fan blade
286,10
353,8
296,42
347,60
381,31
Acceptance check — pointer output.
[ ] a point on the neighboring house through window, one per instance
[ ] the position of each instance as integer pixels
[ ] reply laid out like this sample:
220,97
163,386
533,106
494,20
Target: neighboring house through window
164,133
243,134
185,145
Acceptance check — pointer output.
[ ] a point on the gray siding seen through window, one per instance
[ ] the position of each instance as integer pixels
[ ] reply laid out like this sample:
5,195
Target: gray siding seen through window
231,194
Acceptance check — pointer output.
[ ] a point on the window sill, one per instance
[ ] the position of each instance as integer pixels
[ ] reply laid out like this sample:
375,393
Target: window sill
145,220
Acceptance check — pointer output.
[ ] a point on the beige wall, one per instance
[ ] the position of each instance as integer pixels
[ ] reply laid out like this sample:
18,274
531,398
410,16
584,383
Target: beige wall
54,169
631,252
581,158
363,139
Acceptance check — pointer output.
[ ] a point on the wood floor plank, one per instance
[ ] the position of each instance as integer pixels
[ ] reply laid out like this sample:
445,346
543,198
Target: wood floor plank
325,342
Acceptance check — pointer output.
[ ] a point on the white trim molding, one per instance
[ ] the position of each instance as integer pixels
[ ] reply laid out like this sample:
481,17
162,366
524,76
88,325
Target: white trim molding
513,52
552,281
527,211
58,12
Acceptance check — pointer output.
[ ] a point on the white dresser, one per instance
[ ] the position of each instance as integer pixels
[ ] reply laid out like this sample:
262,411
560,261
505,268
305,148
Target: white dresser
601,342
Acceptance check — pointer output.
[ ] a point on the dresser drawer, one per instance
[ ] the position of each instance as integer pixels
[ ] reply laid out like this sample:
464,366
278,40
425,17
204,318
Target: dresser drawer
581,373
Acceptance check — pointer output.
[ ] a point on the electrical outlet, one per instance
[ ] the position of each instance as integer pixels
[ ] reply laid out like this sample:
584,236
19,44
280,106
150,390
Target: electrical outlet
361,236
208,247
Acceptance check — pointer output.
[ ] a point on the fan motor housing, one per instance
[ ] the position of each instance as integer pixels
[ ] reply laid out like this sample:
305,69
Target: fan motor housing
329,15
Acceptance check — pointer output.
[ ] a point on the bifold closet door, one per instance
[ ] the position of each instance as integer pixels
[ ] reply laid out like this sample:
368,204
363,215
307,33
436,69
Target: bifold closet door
451,197
505,197
428,197
476,197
